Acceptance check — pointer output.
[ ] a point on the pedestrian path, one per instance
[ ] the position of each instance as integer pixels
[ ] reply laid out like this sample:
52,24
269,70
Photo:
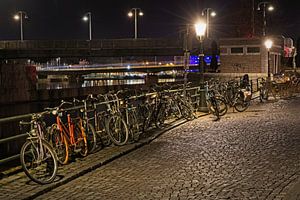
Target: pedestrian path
18,186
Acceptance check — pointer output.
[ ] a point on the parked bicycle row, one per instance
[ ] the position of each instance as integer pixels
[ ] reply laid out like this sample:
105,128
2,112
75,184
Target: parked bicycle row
84,126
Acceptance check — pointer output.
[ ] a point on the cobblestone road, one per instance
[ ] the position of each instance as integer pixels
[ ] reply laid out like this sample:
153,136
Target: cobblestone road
251,155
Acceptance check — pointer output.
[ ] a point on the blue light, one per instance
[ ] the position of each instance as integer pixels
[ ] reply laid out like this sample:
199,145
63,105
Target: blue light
194,60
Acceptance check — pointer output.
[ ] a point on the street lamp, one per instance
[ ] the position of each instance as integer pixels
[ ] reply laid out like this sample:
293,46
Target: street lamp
209,13
135,12
19,16
200,28
268,44
88,17
270,8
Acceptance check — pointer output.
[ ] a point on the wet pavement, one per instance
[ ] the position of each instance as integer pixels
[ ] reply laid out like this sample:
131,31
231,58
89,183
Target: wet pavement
249,155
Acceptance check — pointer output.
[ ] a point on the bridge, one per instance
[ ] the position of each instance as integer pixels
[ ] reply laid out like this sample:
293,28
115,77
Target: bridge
88,69
31,49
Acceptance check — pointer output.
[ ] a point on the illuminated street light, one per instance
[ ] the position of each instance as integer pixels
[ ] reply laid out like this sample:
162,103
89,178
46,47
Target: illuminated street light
209,13
88,17
200,28
135,12
268,45
269,8
19,16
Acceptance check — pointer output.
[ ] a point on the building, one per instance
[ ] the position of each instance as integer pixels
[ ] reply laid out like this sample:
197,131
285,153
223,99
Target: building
249,55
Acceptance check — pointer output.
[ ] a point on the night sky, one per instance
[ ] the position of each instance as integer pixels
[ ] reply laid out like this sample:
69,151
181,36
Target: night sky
62,19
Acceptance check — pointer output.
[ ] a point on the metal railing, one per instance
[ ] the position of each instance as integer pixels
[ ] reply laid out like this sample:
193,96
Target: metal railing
194,93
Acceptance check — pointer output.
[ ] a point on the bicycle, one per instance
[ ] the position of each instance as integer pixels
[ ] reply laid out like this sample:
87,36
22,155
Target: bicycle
116,126
88,127
236,97
215,104
67,135
38,159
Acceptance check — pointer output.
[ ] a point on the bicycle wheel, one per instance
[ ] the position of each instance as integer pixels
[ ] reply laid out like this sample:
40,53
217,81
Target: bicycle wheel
102,136
39,161
60,144
81,145
91,138
223,108
161,116
186,112
241,104
117,130
133,126
213,106
263,94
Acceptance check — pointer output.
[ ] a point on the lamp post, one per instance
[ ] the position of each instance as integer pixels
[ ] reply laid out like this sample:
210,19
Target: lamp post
268,44
19,16
209,13
88,17
270,8
135,12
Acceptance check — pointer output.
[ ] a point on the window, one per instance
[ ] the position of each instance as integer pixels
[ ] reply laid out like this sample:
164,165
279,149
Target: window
236,50
253,50
223,50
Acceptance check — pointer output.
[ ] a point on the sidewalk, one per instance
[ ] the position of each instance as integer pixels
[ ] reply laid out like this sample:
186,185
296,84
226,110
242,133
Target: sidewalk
19,186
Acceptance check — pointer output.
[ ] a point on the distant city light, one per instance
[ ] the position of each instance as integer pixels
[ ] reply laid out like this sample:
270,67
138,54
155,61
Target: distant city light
141,13
128,67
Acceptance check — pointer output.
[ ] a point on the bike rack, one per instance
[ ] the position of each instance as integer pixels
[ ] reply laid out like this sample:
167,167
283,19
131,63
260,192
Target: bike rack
195,97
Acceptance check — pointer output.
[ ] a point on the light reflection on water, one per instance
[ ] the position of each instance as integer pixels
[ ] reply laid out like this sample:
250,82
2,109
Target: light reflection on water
96,83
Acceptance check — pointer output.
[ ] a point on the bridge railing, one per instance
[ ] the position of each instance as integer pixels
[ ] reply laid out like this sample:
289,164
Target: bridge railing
94,44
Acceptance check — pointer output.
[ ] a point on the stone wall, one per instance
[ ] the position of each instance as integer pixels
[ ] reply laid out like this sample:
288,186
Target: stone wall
17,83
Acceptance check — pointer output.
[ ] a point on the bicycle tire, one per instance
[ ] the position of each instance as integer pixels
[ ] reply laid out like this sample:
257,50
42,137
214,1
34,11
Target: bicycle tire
241,105
223,108
263,94
80,139
117,130
29,162
60,144
91,137
186,112
161,116
133,126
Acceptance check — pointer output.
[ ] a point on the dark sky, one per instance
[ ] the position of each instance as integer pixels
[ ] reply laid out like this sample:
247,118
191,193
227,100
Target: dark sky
62,19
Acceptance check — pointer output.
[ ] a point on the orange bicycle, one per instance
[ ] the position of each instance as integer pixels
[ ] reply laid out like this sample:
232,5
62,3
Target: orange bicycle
67,136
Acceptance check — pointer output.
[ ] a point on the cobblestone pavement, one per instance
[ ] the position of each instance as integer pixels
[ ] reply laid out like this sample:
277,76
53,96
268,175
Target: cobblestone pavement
251,155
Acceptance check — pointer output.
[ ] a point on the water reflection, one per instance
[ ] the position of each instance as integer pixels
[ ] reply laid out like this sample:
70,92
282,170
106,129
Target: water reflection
96,83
